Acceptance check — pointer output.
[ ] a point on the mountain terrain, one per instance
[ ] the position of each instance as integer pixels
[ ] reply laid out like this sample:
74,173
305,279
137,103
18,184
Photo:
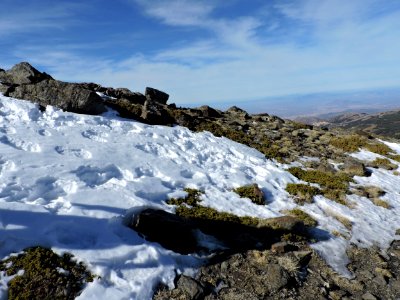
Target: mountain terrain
386,124
107,193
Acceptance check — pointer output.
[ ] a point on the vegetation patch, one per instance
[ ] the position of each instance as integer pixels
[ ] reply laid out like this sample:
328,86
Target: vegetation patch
339,181
252,192
381,203
196,211
303,216
334,186
383,163
46,275
345,221
207,213
379,148
192,198
352,143
263,144
304,193
349,143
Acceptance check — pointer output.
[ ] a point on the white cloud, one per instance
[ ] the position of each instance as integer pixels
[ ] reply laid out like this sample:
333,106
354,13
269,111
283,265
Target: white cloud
347,51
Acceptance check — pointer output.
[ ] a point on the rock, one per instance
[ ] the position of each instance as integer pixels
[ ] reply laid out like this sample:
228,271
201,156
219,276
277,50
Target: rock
368,296
398,231
67,96
354,167
125,108
24,73
190,287
169,230
209,112
277,277
284,223
155,113
156,95
282,247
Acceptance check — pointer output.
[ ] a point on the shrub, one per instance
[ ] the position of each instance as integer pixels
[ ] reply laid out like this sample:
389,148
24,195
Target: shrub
345,221
352,143
302,192
207,213
381,203
252,192
379,148
383,163
46,275
349,143
328,180
303,216
192,198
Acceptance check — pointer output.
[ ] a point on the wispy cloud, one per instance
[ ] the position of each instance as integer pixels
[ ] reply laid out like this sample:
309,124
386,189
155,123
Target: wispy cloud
19,17
302,46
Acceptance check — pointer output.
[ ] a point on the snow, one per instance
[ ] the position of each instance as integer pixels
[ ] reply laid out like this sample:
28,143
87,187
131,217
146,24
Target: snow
69,182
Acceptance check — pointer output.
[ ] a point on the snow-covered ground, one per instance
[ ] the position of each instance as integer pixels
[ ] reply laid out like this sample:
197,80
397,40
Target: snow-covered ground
67,181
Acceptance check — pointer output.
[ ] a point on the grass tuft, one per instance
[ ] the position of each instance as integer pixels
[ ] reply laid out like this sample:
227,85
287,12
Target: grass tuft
46,275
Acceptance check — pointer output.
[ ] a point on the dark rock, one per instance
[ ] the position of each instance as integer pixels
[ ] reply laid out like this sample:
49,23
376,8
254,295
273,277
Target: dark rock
67,96
354,167
209,112
125,108
282,247
277,277
156,114
284,223
235,109
24,73
368,296
190,287
169,230
156,95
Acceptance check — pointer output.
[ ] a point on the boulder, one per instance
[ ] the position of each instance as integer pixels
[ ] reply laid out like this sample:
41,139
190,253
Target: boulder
169,230
191,287
209,112
155,113
67,96
23,73
354,167
156,95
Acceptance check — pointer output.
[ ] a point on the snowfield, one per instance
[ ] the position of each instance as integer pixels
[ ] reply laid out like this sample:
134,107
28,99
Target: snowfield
68,181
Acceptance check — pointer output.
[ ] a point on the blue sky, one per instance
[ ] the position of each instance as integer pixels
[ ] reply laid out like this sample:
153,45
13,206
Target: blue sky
203,51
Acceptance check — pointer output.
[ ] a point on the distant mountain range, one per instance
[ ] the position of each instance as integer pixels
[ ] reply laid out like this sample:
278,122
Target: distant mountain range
382,123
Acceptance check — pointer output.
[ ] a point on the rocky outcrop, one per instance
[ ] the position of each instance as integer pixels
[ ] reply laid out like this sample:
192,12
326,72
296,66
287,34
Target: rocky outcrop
24,73
156,95
25,82
67,96
296,273
180,234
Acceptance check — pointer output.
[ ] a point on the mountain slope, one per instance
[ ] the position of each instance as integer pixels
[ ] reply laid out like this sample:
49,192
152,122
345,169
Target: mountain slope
385,124
69,181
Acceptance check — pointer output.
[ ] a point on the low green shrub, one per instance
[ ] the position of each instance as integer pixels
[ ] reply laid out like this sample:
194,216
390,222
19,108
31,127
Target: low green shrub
383,163
252,192
379,148
349,143
207,213
328,180
303,216
302,192
46,275
192,198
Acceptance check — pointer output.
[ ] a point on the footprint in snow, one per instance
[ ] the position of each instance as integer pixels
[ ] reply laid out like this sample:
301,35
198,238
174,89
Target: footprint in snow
81,153
95,135
44,132
20,144
95,176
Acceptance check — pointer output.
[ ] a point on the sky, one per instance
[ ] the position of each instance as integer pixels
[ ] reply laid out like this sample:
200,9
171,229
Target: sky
210,52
